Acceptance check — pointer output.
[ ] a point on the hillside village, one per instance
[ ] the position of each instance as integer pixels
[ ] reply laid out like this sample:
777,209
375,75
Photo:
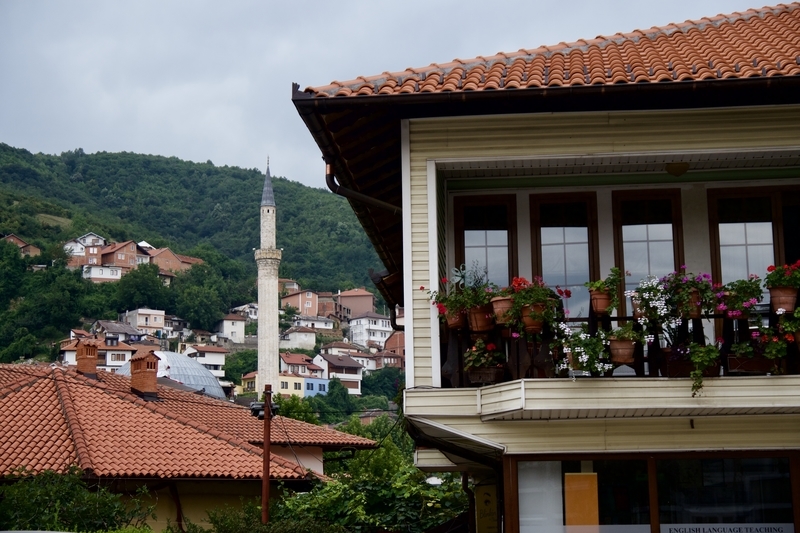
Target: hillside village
360,339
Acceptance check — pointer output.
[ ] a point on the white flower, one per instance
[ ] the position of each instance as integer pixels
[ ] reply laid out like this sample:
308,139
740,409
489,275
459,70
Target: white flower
780,311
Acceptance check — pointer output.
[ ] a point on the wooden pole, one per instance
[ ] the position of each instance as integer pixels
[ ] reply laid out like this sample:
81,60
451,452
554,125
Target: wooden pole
265,474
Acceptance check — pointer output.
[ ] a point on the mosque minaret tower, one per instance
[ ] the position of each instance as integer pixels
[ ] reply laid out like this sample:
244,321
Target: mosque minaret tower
268,258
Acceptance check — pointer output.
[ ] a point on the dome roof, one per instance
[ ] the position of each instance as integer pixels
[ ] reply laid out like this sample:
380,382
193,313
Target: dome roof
184,370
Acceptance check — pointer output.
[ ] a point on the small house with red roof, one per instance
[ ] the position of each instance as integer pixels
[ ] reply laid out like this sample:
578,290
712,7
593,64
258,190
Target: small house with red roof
644,151
231,327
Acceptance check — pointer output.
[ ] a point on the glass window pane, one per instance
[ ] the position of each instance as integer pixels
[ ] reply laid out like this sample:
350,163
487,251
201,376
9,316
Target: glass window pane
497,237
498,266
474,256
725,491
732,233
635,254
474,238
552,235
578,305
634,233
577,262
760,257
661,258
660,232
553,264
759,232
734,263
576,235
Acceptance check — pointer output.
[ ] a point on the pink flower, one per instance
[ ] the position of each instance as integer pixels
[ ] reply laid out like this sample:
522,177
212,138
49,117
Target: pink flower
515,335
722,307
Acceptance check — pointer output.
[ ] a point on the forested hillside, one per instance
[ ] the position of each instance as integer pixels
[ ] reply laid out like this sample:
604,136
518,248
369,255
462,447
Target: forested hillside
48,199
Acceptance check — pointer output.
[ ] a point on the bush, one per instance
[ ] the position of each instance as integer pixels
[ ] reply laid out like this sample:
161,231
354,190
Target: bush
64,502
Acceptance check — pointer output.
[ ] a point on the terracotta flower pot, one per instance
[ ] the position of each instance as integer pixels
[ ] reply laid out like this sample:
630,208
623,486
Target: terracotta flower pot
489,374
783,298
532,325
621,351
601,300
502,305
480,318
456,321
754,365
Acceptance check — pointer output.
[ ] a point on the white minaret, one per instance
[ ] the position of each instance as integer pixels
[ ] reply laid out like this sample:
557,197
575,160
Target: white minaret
268,258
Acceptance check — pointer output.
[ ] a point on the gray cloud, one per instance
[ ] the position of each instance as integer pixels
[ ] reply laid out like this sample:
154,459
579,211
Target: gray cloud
211,80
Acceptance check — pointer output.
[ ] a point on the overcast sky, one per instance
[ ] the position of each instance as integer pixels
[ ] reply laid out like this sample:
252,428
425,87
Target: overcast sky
204,80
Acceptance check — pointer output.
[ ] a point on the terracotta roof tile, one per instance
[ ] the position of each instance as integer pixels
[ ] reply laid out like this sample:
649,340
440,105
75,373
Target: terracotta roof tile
758,42
52,418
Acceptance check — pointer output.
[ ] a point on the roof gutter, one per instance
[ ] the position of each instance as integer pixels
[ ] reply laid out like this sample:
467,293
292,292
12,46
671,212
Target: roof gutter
330,180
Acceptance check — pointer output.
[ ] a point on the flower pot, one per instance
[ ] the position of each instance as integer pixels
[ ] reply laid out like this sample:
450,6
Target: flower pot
681,368
489,374
601,300
621,351
694,303
501,306
783,298
753,365
480,318
456,321
532,325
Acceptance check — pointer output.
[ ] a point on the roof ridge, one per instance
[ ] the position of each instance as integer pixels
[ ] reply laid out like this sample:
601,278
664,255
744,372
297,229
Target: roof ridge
73,424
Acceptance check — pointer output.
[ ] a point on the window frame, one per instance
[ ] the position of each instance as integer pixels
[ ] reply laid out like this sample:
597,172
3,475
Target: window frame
507,200
619,196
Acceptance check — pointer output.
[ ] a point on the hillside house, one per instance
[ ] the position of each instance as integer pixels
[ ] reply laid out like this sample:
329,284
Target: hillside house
370,328
358,301
248,311
176,327
111,352
298,337
124,332
25,248
329,307
677,145
306,302
313,322
77,248
168,260
287,286
148,321
344,368
211,357
231,327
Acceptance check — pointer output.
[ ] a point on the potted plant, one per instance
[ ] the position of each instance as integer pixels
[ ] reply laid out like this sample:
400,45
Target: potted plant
737,298
503,302
705,359
484,362
782,283
534,304
582,351
689,294
604,292
450,303
763,353
622,343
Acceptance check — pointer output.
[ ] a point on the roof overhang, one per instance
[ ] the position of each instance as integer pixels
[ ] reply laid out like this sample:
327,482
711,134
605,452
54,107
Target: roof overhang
359,136
464,450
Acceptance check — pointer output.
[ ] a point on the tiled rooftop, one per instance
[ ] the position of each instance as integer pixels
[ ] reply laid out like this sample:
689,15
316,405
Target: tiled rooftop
54,417
756,43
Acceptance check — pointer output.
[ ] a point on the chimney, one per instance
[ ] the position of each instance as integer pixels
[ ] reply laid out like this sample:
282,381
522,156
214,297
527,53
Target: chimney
86,358
144,374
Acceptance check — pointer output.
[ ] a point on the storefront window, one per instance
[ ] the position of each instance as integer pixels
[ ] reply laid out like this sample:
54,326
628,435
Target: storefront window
725,491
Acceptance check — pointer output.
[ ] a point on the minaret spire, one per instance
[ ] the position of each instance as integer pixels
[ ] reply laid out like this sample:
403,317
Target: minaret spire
268,259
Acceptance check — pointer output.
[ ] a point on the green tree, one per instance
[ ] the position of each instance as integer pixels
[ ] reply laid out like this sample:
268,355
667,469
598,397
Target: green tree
240,363
201,306
12,270
141,287
63,502
295,407
384,382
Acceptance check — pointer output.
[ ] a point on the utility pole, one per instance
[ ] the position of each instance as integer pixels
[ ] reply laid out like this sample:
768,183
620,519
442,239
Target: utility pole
265,473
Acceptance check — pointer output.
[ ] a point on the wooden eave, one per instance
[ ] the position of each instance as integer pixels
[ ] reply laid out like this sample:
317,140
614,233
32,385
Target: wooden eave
360,135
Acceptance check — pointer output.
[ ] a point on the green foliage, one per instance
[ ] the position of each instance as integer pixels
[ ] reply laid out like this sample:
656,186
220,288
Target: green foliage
141,287
239,363
384,382
295,407
64,502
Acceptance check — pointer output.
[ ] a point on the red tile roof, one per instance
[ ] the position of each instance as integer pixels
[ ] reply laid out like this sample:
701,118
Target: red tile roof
295,358
756,43
52,418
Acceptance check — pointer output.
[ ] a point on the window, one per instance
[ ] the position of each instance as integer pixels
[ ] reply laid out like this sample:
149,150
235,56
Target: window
752,229
308,294
284,384
485,235
648,229
118,357
92,260
308,303
310,386
298,386
564,248
321,387
92,250
121,256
